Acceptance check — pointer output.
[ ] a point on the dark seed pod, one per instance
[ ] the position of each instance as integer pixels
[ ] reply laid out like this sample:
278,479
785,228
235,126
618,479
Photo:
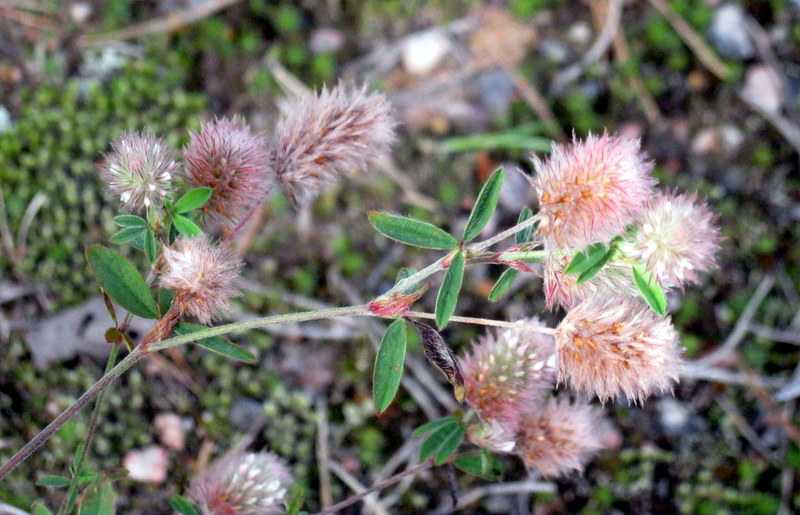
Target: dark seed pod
438,353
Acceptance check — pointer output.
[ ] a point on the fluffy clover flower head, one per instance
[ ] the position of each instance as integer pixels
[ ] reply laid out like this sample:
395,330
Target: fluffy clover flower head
139,170
508,372
244,484
609,346
227,157
591,190
324,136
493,435
677,237
561,289
200,275
559,437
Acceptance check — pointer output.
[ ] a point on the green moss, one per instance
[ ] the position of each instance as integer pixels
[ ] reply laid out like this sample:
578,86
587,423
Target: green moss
58,138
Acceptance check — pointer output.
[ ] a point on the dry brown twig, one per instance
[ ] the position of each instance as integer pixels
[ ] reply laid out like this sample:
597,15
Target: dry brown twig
170,22
595,52
693,40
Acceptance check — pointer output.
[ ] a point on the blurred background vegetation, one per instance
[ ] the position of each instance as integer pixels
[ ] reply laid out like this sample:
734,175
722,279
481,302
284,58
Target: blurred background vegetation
710,87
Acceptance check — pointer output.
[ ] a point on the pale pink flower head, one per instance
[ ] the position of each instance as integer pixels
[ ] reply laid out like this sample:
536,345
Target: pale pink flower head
323,136
609,346
677,237
591,190
562,289
559,437
508,372
139,170
493,435
228,157
244,484
200,275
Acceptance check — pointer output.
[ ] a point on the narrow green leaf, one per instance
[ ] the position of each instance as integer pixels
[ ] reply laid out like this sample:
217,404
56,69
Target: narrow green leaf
503,283
524,236
447,298
484,205
587,258
130,221
53,481
75,459
436,424
99,499
596,267
412,231
449,445
216,344
404,274
185,226
128,234
39,508
150,246
389,365
164,297
651,291
482,465
183,506
193,199
86,477
123,283
297,496
439,438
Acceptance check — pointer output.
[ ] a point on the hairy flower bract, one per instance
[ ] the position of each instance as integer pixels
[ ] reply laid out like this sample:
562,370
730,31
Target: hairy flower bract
201,276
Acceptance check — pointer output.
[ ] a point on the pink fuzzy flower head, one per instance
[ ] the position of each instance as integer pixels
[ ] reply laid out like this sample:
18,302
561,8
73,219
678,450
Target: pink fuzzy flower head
200,275
677,237
609,346
244,484
589,191
226,156
559,437
561,289
508,372
139,170
324,136
493,435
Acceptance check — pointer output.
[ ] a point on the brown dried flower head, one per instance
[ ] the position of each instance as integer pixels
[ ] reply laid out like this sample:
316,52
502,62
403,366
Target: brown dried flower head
609,346
227,157
559,437
324,136
244,484
201,276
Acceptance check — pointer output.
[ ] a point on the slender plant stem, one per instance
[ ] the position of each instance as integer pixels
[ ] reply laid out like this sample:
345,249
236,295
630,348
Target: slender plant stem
143,350
87,397
379,486
485,244
528,256
413,279
485,321
69,501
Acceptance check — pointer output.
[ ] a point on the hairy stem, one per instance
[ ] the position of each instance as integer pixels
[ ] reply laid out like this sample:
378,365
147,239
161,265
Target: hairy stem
485,244
379,486
485,321
143,350
69,500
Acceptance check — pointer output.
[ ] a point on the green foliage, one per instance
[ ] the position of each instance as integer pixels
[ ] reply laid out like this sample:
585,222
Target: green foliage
58,139
484,205
123,283
447,298
389,365
216,344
